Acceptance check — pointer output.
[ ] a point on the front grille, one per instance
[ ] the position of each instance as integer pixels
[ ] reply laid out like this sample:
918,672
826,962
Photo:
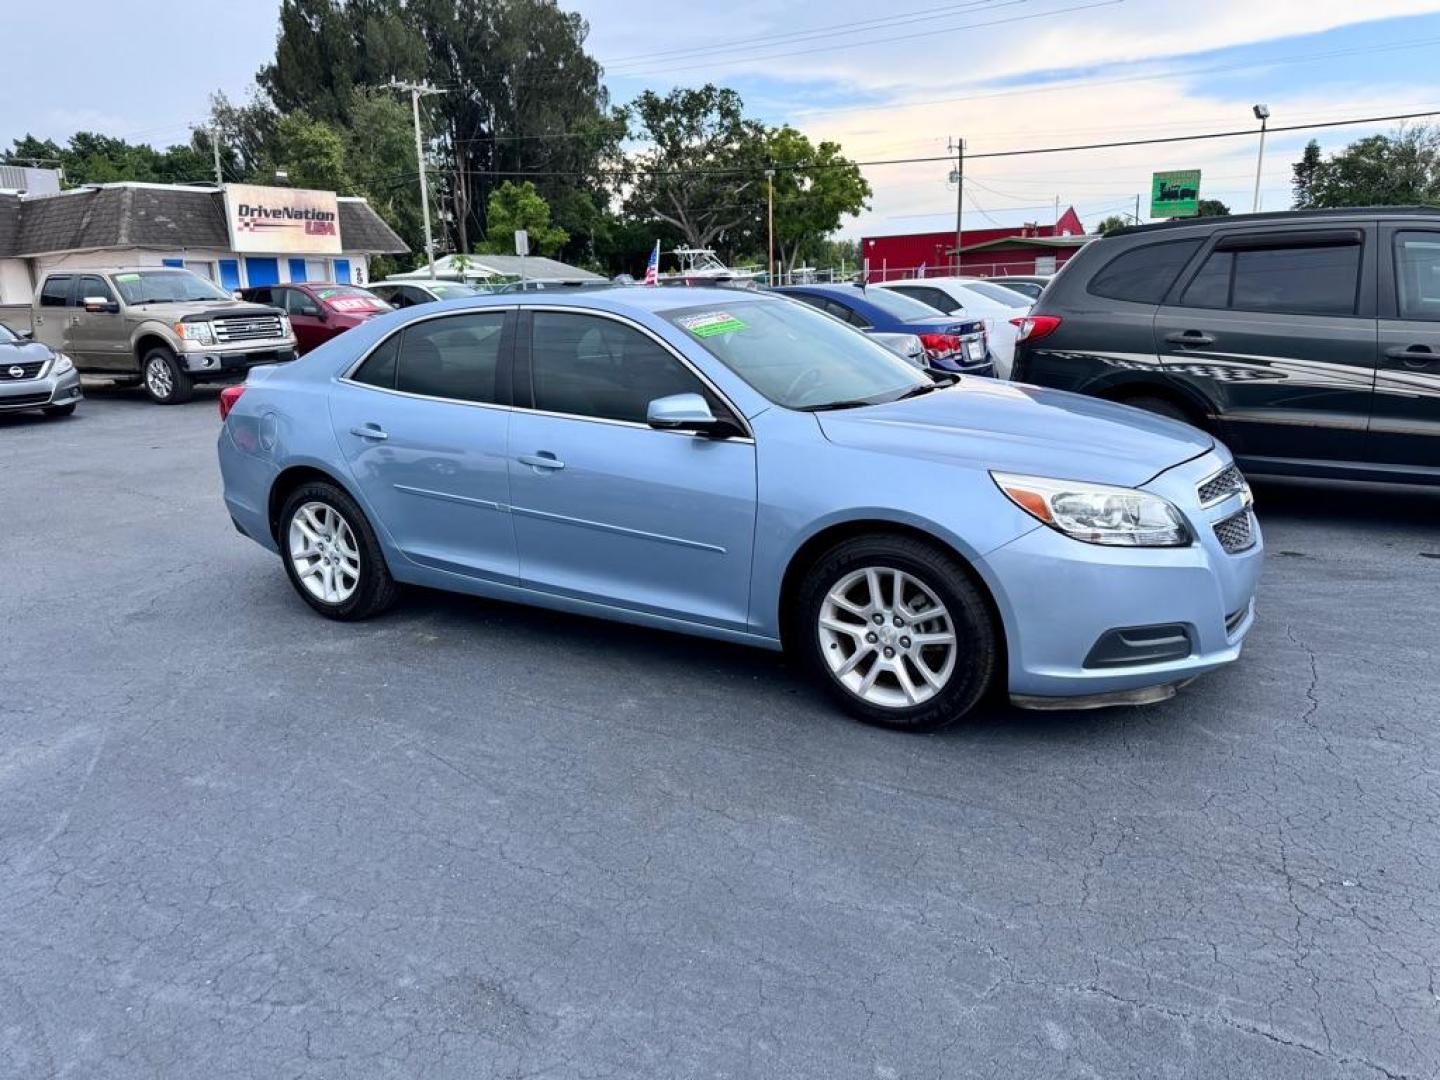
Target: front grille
1236,532
247,328
15,401
28,370
1221,486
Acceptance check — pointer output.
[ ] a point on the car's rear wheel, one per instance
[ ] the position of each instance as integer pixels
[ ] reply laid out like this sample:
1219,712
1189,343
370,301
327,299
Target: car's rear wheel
897,632
331,554
166,381
57,411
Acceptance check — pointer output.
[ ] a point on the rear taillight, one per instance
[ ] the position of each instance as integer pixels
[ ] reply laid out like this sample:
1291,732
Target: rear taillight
1034,327
940,344
228,397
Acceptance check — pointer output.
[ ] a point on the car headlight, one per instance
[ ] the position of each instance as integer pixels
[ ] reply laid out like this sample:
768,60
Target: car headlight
62,365
1097,513
285,325
200,333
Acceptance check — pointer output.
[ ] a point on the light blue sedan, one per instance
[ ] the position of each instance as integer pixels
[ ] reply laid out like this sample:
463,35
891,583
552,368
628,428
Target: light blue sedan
739,466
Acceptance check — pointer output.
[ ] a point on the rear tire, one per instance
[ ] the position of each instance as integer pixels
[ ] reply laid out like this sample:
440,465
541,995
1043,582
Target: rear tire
896,631
166,381
1160,407
55,412
331,554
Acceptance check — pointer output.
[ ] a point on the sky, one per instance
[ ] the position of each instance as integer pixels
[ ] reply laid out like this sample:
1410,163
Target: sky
895,81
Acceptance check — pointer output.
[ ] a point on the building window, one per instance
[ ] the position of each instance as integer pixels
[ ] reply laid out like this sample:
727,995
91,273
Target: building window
202,267
317,270
1044,264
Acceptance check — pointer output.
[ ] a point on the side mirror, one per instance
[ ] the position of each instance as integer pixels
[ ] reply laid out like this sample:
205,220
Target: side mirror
235,295
28,335
100,303
684,412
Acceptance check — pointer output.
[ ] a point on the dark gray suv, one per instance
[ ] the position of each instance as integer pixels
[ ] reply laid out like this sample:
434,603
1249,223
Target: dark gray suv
1309,341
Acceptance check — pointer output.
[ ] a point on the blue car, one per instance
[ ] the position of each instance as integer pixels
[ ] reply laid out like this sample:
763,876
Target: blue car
739,466
941,342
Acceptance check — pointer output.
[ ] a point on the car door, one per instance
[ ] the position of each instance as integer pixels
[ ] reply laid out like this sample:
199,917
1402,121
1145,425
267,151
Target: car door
55,311
608,509
98,338
1405,418
1276,330
422,421
304,311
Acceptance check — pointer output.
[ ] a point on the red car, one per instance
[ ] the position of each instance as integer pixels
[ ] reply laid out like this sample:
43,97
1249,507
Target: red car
319,310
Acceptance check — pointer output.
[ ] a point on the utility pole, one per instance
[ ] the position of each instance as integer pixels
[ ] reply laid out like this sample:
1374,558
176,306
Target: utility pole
416,92
1137,208
215,148
958,145
770,186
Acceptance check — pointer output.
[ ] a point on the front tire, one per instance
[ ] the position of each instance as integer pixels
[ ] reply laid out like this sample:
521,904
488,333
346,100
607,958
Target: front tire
331,554
166,381
896,631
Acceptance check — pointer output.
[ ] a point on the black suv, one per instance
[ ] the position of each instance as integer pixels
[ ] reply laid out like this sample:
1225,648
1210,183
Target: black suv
1309,341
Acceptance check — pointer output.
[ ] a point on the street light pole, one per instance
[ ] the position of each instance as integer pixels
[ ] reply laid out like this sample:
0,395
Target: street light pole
416,91
958,145
770,214
1262,113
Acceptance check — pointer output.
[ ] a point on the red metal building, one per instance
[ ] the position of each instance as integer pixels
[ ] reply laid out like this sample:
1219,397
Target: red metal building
1021,249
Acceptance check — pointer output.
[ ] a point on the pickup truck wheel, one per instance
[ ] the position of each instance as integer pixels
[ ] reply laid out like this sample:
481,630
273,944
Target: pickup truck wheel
331,554
165,381
897,632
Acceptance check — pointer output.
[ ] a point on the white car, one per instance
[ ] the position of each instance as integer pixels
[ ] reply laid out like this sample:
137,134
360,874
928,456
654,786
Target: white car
974,298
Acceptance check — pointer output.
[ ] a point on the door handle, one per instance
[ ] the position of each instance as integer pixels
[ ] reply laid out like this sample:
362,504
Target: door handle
369,431
543,460
1413,356
1190,337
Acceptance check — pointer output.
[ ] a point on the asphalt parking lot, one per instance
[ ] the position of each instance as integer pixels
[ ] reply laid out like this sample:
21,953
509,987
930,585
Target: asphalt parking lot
471,840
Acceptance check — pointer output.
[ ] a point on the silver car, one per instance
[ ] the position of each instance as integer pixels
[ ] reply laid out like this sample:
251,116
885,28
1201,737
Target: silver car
34,376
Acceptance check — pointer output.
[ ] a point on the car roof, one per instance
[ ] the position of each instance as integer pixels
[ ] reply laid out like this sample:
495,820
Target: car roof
1364,213
618,300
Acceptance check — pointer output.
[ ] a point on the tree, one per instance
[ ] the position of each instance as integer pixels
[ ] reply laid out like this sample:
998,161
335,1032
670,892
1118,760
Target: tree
380,159
519,206
1402,168
1212,208
1113,223
701,170
311,152
815,186
1304,172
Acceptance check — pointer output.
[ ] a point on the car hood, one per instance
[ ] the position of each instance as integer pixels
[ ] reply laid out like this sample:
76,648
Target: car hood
1025,429
22,352
190,310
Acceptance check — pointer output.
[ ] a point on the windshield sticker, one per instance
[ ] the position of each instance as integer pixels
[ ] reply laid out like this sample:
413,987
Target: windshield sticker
127,277
353,303
712,324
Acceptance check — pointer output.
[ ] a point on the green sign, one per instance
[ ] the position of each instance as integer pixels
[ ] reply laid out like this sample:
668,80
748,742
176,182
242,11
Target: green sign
1175,194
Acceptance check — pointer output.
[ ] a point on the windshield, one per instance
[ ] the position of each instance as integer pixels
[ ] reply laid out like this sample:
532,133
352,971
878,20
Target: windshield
7,335
164,286
452,292
349,298
898,304
797,357
998,293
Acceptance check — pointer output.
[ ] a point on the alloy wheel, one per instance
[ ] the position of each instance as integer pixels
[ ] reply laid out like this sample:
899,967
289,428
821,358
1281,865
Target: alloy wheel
324,553
887,638
158,378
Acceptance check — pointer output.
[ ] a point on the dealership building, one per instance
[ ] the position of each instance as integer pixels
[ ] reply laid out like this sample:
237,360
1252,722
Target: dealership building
236,236
1022,249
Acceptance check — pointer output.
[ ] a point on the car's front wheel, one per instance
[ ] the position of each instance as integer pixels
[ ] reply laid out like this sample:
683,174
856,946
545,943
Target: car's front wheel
331,554
894,628
166,381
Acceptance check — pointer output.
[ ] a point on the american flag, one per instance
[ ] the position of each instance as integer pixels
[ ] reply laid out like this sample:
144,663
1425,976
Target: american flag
652,268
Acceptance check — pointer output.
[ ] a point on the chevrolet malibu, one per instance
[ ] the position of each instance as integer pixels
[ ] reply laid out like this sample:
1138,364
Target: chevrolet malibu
744,468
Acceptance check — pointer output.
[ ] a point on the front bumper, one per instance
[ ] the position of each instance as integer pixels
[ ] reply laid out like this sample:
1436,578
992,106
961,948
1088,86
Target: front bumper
1060,597
205,364
42,393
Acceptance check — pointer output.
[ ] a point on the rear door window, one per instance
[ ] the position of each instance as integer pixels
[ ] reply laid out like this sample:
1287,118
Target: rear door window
1297,280
56,292
456,357
379,367
1143,275
932,297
